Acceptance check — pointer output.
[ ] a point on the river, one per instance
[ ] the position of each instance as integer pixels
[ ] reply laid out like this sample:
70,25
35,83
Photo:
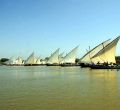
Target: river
58,88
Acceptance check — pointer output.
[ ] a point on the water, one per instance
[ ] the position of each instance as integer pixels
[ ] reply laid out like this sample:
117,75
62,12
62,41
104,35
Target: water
58,88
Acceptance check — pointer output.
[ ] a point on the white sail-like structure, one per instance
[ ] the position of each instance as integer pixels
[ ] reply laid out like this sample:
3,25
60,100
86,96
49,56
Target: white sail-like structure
31,59
87,58
60,57
15,62
54,58
43,62
107,54
19,61
11,61
38,61
71,56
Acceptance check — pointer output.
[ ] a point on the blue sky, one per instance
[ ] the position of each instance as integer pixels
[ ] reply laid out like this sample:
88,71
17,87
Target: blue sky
43,26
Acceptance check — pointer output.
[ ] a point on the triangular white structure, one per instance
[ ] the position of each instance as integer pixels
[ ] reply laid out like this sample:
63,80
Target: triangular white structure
19,61
87,58
107,54
11,61
71,56
43,61
15,62
31,59
54,58
60,57
38,61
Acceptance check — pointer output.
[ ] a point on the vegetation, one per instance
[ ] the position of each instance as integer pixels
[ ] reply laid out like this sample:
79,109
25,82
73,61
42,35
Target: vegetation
117,59
3,60
76,60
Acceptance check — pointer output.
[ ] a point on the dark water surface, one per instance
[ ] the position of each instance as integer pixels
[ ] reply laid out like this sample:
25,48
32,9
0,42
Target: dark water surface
59,88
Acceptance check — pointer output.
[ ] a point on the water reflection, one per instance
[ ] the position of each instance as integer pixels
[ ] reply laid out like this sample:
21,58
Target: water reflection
108,74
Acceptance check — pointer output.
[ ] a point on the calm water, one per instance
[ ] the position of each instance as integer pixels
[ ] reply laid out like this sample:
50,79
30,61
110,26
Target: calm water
58,88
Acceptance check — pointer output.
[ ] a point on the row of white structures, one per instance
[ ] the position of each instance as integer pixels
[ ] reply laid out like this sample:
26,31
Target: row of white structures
55,58
104,52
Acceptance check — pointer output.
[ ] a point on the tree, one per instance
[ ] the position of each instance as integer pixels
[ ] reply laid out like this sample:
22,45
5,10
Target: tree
3,60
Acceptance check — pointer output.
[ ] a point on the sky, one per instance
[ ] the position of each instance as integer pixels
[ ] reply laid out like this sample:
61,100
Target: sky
43,26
